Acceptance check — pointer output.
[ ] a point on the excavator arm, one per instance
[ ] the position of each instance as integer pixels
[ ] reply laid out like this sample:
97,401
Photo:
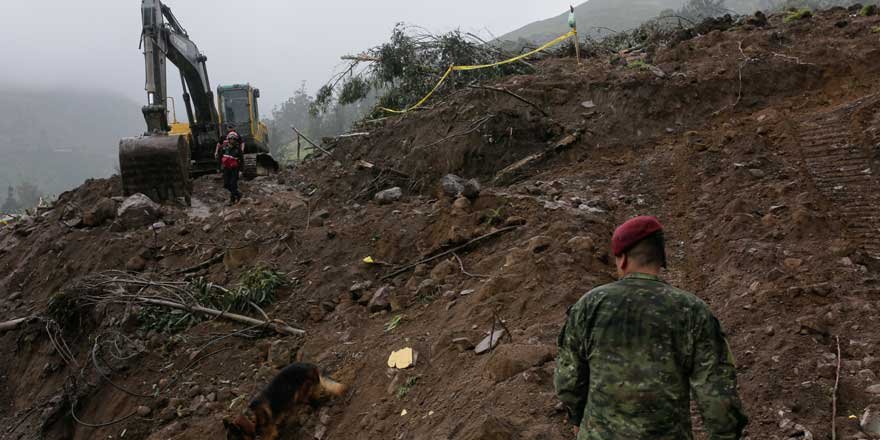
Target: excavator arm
158,164
163,37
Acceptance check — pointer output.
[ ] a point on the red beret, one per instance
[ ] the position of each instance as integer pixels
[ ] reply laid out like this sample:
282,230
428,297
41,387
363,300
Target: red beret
633,231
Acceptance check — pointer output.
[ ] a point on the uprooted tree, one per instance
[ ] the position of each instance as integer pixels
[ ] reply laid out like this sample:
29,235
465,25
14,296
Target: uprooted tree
408,66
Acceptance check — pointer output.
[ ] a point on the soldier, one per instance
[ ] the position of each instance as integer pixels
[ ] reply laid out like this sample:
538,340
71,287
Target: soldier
631,353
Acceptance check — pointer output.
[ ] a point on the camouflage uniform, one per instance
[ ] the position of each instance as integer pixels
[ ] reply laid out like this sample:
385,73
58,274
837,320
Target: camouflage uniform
630,354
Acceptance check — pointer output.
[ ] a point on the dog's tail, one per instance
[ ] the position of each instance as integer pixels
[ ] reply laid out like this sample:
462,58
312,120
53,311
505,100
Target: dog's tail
332,387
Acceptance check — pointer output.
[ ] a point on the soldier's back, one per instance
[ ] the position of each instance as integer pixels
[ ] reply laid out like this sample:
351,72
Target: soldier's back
641,335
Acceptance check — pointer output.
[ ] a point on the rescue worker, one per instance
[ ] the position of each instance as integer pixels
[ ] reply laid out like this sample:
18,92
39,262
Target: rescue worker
231,153
632,352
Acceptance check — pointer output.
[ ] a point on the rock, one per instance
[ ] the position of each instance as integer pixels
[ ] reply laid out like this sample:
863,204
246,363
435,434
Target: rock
463,344
793,263
489,342
380,300
104,210
15,296
388,196
167,414
137,211
452,185
319,217
512,359
136,264
250,235
206,228
143,411
873,389
757,173
471,189
212,397
492,428
581,245
538,244
658,72
242,256
870,421
356,291
462,204
233,217
588,104
515,221
445,269
282,353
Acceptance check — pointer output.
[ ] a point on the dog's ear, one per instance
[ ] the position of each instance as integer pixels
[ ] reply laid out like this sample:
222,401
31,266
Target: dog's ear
231,426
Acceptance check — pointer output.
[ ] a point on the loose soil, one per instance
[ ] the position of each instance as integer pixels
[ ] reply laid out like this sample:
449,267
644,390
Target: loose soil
757,147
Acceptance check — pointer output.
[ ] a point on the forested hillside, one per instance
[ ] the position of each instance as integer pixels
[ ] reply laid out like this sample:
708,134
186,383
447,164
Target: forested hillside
55,139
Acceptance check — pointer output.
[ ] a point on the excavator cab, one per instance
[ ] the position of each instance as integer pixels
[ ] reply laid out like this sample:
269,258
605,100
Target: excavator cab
239,111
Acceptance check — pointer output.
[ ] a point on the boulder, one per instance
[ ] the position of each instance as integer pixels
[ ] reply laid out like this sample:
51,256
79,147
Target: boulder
136,264
512,359
471,189
137,211
452,185
388,196
104,210
870,421
381,300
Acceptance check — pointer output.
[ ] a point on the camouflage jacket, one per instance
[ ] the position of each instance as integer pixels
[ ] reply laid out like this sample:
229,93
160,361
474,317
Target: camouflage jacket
631,353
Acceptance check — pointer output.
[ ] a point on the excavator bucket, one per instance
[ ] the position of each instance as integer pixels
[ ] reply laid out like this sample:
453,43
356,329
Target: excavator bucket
156,166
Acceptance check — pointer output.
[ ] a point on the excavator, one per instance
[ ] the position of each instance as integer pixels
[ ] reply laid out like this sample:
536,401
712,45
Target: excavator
161,162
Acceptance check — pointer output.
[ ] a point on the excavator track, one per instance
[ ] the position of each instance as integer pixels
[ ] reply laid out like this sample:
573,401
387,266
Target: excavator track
838,149
156,166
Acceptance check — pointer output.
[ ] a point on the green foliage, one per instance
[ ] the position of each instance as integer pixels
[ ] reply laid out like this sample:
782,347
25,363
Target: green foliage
494,217
639,65
257,288
404,389
393,323
64,308
798,14
403,70
876,30
868,10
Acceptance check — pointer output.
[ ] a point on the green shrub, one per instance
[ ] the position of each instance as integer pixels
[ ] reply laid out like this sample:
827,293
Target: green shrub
799,14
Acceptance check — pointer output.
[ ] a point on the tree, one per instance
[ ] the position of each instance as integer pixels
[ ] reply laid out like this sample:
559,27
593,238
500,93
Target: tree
28,195
10,205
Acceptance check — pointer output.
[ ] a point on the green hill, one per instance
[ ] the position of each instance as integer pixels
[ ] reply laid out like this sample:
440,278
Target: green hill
598,18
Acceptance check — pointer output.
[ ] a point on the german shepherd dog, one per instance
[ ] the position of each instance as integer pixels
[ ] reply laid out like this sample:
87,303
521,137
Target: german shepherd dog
296,384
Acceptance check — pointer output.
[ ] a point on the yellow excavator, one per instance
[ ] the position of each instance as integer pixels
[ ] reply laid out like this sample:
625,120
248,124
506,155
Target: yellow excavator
161,162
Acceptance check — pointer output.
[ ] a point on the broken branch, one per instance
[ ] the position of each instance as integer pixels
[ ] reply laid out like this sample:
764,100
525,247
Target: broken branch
450,251
834,394
13,324
275,325
309,140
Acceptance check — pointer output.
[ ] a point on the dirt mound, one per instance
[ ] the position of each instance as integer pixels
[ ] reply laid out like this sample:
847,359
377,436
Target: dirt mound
756,145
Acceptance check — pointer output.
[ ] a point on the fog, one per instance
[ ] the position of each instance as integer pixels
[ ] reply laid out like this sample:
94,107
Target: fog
273,44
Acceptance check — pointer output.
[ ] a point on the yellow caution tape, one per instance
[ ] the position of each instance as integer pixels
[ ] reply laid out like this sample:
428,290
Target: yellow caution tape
572,33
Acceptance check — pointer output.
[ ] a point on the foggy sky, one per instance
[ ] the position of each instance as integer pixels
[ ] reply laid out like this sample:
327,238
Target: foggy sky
273,44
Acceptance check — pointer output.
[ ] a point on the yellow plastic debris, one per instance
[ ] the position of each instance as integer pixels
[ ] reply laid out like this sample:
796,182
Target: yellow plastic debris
403,413
369,260
402,359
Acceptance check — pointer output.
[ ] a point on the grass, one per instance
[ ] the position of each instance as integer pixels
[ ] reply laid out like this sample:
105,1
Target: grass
638,64
798,14
404,389
393,323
